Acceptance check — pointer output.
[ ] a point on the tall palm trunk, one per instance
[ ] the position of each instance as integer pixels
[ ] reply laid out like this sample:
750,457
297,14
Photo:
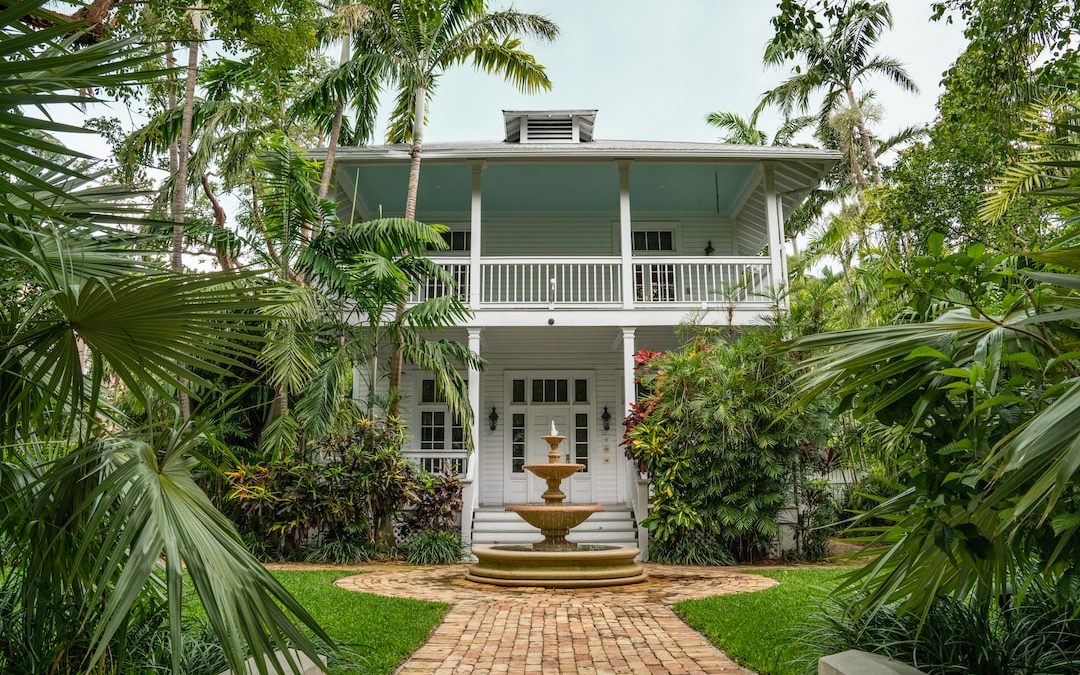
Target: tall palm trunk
335,129
868,149
179,197
397,362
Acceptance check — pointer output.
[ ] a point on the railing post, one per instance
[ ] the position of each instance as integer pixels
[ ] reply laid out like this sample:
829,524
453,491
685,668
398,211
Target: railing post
475,279
626,248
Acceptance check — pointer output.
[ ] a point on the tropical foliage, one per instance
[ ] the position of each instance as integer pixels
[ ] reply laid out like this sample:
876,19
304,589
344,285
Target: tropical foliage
722,456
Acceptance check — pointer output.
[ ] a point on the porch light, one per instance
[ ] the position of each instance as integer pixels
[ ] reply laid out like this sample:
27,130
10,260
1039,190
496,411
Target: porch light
708,248
606,417
493,418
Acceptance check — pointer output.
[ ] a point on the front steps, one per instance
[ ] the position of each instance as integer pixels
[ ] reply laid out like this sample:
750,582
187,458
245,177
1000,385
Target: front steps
613,525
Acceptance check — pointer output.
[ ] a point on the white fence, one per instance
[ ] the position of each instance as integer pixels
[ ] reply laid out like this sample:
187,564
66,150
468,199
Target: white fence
701,280
546,281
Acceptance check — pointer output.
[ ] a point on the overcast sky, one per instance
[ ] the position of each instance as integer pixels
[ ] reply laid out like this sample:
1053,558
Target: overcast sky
655,69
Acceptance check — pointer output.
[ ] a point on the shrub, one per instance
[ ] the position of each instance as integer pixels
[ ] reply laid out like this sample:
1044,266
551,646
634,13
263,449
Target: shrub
340,502
437,503
698,549
433,547
340,552
872,489
715,433
1035,634
818,516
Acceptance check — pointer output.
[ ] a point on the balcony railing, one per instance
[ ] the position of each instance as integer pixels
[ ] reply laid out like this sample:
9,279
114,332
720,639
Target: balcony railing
656,281
438,461
699,281
550,281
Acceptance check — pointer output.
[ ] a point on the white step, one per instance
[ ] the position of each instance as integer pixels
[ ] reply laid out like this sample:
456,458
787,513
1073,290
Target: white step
494,525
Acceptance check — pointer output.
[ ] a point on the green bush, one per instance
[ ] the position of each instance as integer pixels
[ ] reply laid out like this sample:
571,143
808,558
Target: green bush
337,507
433,547
690,550
1035,634
720,441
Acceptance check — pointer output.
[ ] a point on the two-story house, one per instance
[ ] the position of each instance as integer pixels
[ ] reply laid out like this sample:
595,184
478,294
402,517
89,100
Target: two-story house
573,253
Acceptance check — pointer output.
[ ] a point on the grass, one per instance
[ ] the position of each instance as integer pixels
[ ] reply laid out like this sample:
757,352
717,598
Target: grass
376,632
759,630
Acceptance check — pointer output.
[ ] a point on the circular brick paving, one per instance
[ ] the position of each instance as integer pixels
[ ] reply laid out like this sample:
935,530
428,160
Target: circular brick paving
628,629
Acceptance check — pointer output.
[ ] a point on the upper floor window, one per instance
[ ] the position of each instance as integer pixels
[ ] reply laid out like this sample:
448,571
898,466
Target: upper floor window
654,240
457,240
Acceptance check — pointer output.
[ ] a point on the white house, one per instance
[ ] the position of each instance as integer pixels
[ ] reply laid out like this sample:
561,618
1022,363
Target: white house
573,253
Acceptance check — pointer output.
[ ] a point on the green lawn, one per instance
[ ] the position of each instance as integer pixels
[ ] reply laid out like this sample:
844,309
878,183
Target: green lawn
377,632
758,629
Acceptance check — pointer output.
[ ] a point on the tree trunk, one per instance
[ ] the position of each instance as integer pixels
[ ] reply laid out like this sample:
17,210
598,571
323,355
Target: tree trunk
396,360
179,199
868,148
335,129
221,250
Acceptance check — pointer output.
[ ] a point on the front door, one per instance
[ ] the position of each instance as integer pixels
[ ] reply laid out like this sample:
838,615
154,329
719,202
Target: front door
534,405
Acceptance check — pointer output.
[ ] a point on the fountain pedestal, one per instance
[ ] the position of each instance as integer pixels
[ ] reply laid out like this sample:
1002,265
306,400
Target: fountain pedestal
555,562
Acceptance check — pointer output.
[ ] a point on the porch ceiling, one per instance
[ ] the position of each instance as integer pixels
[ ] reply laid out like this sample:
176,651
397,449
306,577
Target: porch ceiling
533,187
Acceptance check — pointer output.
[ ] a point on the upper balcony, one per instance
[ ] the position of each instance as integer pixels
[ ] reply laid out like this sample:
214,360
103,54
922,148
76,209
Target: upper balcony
596,230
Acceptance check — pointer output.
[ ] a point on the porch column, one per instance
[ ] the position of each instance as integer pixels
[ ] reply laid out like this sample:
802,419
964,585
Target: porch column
775,223
470,497
626,248
474,243
636,486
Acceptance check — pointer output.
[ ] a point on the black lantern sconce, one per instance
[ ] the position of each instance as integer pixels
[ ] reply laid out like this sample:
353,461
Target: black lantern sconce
606,417
709,250
493,418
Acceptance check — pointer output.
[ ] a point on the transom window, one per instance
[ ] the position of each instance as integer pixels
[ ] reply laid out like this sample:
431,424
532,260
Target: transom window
458,240
654,240
549,390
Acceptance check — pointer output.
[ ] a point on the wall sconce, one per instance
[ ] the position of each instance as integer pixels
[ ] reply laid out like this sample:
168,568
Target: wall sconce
709,250
606,417
493,418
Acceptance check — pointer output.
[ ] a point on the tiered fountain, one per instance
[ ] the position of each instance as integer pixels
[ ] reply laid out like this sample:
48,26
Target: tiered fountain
555,562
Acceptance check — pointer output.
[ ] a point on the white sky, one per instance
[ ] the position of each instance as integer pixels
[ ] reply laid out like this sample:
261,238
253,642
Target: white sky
655,69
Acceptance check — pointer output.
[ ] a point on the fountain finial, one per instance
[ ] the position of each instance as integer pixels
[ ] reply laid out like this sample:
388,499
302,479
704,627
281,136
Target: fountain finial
554,431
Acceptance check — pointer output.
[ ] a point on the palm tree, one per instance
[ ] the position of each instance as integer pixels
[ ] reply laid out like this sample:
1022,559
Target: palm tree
97,520
421,39
743,131
836,63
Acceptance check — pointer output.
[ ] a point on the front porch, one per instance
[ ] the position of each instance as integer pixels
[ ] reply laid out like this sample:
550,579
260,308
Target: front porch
579,377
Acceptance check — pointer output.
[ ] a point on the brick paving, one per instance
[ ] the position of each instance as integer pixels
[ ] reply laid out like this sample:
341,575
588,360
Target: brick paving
628,629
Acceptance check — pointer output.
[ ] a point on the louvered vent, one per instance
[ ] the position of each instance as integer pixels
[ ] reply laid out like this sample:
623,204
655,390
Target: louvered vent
549,126
556,130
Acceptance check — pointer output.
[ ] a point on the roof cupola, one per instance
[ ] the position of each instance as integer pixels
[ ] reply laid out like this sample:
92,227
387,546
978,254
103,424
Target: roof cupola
549,126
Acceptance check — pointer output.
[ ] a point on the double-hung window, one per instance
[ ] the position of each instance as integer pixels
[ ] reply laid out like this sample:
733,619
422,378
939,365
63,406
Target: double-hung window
439,429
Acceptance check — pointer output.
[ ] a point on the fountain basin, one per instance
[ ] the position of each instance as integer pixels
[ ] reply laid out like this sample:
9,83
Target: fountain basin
590,566
551,517
549,471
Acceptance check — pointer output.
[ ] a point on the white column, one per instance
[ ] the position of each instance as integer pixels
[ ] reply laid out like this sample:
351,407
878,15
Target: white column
626,248
629,390
474,228
775,224
470,497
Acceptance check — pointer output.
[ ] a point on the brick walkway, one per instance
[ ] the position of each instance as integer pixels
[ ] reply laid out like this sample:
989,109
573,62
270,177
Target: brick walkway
630,629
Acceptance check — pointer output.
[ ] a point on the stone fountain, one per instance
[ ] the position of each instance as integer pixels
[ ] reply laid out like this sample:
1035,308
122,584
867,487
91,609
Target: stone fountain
555,562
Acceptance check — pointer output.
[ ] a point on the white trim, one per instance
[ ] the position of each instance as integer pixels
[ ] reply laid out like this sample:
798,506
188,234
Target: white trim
775,224
626,247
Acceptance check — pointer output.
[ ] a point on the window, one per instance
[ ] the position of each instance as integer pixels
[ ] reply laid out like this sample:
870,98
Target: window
581,439
517,443
518,391
654,240
433,288
581,391
434,417
432,430
550,391
456,240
